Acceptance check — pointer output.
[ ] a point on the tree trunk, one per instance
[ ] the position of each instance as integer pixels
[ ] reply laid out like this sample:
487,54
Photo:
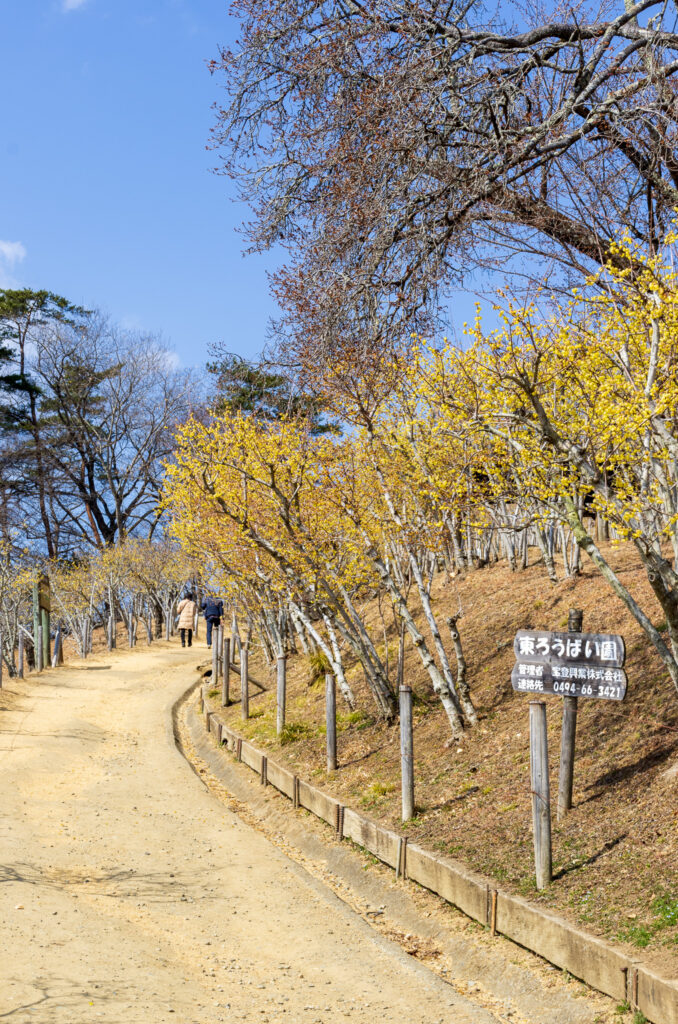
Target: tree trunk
465,706
438,681
587,544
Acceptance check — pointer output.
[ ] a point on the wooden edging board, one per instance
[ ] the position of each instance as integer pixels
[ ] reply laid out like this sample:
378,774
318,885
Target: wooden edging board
595,961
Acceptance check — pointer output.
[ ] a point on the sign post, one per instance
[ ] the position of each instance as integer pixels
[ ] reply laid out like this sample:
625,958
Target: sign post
569,733
541,798
570,665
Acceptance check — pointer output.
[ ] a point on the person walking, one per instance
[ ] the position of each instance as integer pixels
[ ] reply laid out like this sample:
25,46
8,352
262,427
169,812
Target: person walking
212,609
186,609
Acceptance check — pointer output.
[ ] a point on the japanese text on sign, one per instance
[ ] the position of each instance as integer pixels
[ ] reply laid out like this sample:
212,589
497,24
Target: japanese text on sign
570,664
596,648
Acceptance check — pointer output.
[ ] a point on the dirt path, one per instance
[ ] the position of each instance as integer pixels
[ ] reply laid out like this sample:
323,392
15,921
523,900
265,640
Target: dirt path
129,894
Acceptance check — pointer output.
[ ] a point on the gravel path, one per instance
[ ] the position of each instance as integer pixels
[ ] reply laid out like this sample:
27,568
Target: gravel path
130,894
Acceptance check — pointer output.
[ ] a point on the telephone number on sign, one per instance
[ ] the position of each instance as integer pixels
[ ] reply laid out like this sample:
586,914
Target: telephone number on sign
570,688
587,689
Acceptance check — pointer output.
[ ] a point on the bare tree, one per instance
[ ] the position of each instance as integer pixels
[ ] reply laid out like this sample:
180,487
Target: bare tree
393,146
106,405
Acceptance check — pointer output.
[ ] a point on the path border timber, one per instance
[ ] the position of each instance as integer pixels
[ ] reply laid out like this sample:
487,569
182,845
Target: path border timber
595,961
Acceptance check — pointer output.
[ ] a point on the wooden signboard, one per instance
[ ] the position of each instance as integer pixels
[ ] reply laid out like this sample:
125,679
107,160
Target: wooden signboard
606,684
43,594
569,664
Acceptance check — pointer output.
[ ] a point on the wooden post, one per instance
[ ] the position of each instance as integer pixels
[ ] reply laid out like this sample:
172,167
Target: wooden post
331,720
406,753
36,620
57,647
45,623
226,677
244,685
281,695
569,732
215,658
236,642
114,626
21,654
38,650
401,859
541,799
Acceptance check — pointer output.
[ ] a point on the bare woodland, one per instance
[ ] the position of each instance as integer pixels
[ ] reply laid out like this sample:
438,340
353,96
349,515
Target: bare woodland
392,147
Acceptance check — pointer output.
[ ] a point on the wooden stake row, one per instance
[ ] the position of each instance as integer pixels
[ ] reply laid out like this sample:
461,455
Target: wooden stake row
406,737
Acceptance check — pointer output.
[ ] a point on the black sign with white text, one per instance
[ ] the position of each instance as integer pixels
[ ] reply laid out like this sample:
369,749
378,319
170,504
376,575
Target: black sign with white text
569,664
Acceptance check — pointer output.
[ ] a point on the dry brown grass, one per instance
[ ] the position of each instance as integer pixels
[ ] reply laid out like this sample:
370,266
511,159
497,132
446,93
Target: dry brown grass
615,855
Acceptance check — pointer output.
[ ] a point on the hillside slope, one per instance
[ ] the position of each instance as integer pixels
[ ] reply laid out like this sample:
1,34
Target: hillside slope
615,855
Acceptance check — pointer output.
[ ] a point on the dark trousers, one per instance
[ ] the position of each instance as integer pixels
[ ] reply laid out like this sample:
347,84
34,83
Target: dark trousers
211,622
183,637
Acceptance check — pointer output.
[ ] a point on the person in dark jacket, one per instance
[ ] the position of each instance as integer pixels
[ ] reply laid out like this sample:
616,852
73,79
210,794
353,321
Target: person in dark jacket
212,609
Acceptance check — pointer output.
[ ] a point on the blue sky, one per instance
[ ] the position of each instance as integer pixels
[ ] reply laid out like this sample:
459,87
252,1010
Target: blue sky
106,185
107,195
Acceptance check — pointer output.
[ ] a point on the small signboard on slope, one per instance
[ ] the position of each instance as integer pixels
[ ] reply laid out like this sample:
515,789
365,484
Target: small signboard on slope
569,664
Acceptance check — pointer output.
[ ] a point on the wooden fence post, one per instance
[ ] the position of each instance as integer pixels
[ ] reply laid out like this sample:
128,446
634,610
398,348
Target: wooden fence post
215,657
244,684
36,620
406,753
226,677
236,642
331,720
281,695
569,733
57,647
541,799
21,654
45,623
38,651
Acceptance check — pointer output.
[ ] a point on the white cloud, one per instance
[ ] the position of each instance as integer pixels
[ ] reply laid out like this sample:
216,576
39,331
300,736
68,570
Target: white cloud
72,5
171,360
11,253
